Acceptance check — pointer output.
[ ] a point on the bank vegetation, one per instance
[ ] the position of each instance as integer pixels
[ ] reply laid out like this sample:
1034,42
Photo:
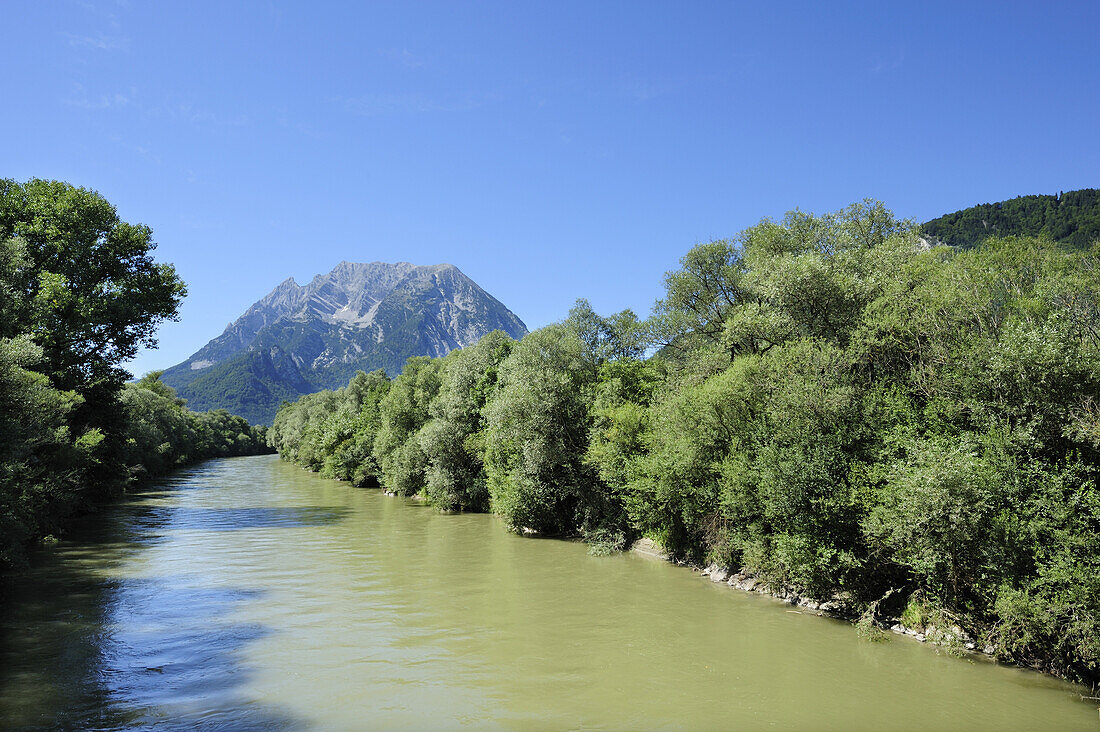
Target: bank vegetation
822,400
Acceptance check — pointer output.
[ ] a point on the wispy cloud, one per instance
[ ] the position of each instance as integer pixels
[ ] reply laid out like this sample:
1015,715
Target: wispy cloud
641,89
146,153
884,65
372,105
142,151
405,57
80,98
107,36
169,107
284,120
194,114
99,42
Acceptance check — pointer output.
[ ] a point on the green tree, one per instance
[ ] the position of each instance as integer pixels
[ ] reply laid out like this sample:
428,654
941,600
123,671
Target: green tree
89,291
79,294
538,434
40,464
700,296
349,433
454,439
404,410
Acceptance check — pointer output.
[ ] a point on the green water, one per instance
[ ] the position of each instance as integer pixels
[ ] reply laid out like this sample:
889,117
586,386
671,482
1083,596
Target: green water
248,593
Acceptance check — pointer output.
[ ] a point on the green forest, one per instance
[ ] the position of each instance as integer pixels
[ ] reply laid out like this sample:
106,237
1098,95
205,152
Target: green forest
79,294
822,400
1072,217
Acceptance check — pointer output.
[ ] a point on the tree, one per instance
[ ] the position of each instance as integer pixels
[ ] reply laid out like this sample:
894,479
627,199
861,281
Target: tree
39,464
454,439
404,410
700,296
609,338
538,435
348,433
805,276
87,288
79,294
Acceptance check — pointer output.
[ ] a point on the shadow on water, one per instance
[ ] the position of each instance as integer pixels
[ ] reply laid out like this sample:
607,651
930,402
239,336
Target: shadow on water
151,523
82,647
255,517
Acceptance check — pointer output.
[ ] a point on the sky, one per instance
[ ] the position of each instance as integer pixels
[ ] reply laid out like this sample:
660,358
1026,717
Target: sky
550,150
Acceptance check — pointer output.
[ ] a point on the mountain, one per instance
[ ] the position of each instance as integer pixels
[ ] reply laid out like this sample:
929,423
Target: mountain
300,339
1072,218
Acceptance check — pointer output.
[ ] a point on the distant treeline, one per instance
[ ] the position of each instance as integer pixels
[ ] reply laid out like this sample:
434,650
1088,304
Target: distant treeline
1072,218
829,405
79,293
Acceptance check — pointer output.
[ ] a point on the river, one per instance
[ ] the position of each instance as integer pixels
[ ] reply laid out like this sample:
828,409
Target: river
247,593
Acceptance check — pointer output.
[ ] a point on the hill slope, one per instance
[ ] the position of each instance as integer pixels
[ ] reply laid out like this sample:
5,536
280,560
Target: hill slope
300,339
1072,218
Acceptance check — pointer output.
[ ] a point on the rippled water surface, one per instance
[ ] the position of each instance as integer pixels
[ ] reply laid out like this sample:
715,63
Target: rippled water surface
248,593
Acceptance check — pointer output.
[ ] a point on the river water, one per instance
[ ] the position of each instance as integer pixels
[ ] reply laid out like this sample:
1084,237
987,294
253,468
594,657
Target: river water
247,593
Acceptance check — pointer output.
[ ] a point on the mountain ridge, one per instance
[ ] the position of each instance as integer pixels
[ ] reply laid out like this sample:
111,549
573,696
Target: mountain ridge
297,339
1070,217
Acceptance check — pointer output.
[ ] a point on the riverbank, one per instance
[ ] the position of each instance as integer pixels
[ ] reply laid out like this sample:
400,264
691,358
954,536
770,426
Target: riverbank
948,636
951,637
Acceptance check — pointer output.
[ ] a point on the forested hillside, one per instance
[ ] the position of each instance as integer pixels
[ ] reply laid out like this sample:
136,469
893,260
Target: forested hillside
1072,218
79,293
833,407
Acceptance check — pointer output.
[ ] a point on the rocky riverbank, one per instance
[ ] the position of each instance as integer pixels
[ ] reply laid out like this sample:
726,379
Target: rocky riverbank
837,606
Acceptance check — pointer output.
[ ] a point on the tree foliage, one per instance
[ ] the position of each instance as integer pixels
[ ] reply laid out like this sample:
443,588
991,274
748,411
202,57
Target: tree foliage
87,288
454,438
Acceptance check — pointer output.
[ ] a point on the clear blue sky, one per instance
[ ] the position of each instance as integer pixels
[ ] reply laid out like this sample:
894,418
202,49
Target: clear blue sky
551,151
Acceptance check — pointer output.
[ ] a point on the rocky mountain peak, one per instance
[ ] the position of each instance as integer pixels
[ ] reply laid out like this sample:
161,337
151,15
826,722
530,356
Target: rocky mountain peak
358,315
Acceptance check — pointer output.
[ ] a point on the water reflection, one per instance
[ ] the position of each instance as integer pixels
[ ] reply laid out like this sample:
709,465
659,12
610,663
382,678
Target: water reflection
82,645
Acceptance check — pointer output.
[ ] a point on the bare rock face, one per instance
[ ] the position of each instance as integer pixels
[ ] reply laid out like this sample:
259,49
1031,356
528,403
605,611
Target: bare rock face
302,338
